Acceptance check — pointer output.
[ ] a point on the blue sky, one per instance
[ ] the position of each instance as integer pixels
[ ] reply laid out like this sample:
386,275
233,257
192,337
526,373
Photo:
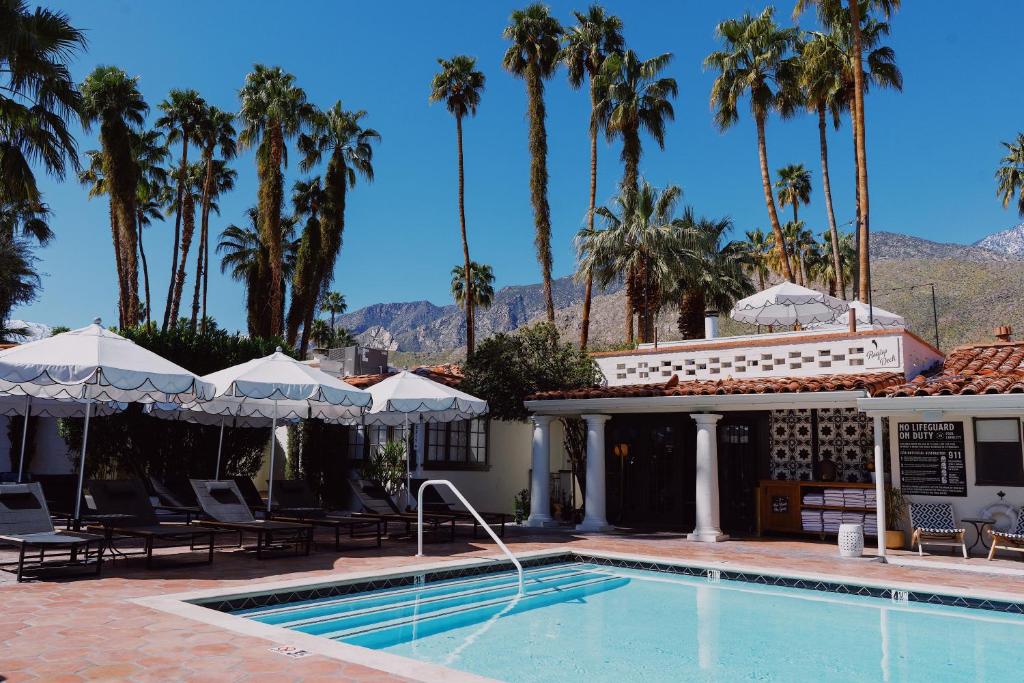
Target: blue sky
932,150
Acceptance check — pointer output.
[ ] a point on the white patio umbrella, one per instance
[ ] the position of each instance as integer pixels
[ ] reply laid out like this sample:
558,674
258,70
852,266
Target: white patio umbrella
278,387
91,365
26,406
409,397
866,316
788,304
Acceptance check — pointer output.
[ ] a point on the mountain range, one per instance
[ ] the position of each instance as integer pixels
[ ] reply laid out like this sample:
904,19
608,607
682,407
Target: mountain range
977,287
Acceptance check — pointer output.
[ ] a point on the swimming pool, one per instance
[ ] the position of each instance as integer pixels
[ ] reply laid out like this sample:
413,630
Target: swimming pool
590,619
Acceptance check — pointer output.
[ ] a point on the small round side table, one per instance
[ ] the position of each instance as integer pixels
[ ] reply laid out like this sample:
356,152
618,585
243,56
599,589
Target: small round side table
979,525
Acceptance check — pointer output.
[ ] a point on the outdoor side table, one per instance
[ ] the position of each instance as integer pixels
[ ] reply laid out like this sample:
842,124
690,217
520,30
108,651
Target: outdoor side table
979,525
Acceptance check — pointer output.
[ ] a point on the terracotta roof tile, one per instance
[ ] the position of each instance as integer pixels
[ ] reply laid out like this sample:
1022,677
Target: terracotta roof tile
448,374
989,368
869,382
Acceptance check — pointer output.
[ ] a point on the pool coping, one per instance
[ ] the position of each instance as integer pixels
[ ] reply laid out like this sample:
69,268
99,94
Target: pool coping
193,605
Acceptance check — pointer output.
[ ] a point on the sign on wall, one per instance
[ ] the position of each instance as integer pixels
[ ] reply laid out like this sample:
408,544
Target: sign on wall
932,461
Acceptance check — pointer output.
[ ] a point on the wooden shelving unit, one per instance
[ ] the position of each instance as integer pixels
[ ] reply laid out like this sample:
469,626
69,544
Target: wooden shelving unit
781,504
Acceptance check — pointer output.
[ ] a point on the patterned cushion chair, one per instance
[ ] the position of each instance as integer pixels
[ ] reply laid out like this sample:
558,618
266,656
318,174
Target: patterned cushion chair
1009,540
933,524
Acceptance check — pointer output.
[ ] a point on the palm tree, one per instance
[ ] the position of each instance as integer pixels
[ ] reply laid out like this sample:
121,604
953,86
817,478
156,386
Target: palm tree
308,196
19,281
459,85
216,133
822,67
793,187
38,98
533,56
321,334
334,304
26,219
755,61
189,190
481,277
245,256
150,153
588,44
217,180
638,243
112,98
273,110
182,113
823,269
1010,174
338,134
713,273
758,249
829,12
636,98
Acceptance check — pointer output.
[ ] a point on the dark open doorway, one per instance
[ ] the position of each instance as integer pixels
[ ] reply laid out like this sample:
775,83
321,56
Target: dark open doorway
742,456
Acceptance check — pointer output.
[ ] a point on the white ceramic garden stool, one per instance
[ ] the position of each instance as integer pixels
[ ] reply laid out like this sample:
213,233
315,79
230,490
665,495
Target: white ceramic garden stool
851,540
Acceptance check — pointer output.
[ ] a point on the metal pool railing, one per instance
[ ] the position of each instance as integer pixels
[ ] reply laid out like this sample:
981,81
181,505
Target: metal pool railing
472,511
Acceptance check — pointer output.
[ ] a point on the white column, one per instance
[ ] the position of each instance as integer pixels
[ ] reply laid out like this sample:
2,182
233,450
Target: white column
540,497
880,483
595,519
708,528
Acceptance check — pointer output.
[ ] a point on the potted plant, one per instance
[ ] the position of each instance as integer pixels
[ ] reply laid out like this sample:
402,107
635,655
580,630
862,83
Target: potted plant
895,513
522,506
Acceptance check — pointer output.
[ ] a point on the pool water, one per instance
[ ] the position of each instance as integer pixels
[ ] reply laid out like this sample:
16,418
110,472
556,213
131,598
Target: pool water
585,622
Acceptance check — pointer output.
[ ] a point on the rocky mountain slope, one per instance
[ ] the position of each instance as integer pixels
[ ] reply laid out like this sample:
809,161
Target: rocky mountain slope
1009,241
978,286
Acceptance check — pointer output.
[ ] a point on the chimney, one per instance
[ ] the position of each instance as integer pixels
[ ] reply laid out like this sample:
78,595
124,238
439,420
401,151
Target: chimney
710,324
852,318
1003,333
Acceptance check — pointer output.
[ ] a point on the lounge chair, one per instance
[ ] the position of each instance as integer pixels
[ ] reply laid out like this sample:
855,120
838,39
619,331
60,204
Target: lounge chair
294,501
25,523
1008,540
434,502
251,495
933,524
59,490
123,509
376,503
222,502
176,501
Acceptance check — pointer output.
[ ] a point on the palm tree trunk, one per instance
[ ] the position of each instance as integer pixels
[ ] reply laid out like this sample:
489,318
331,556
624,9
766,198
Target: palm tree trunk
588,287
168,318
204,220
271,195
864,260
631,159
115,233
206,280
188,230
826,187
629,308
332,224
539,182
470,322
856,203
769,200
145,270
691,314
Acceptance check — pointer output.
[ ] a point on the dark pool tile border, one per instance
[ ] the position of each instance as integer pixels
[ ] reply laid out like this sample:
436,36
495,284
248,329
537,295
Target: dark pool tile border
274,598
341,589
807,584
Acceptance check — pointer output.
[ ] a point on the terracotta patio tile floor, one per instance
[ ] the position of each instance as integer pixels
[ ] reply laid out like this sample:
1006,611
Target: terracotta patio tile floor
88,629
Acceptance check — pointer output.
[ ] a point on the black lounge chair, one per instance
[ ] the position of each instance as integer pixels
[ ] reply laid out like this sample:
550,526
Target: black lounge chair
59,491
377,504
434,502
25,523
251,495
222,503
294,501
175,499
123,509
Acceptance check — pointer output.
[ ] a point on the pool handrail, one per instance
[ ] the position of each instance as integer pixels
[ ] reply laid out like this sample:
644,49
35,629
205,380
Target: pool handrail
472,511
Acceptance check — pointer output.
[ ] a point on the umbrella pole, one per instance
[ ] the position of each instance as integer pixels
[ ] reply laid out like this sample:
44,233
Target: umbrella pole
81,466
273,449
24,434
220,445
408,470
